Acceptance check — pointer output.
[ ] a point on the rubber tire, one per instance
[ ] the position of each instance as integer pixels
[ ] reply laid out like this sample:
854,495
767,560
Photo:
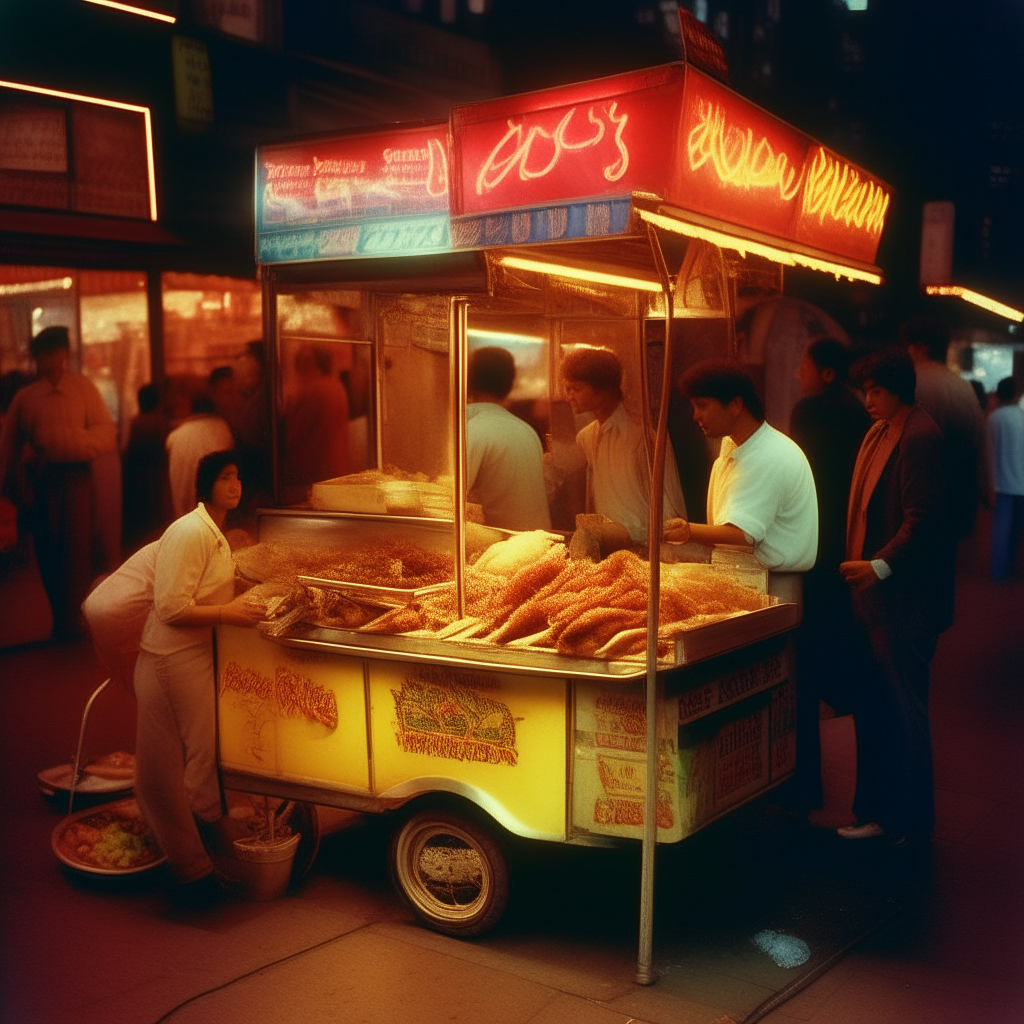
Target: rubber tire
484,912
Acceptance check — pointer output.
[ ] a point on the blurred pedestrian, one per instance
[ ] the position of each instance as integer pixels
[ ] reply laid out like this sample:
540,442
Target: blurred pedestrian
203,432
145,483
1006,435
952,403
315,423
828,424
979,391
897,531
59,426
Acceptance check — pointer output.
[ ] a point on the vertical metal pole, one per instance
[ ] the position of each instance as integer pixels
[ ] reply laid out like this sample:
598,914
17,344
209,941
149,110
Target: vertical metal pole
272,356
644,970
458,347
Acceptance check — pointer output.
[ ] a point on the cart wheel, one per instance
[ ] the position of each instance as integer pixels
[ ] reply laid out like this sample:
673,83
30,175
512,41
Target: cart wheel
450,871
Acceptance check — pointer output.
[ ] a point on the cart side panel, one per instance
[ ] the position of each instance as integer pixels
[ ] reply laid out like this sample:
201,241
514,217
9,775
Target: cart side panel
498,739
292,715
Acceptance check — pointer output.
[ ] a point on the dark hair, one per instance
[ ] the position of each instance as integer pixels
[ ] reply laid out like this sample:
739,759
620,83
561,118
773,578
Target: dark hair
928,331
598,367
892,369
979,391
723,380
220,373
1006,390
492,371
49,339
149,398
209,468
256,350
829,354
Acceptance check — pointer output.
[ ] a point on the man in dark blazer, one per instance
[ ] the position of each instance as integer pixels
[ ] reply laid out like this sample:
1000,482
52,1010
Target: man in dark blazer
900,570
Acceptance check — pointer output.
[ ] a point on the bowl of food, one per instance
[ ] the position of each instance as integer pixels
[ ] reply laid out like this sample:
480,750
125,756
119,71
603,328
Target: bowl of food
111,839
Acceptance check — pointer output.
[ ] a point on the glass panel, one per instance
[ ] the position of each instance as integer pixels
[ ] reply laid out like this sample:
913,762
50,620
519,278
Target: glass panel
32,298
115,340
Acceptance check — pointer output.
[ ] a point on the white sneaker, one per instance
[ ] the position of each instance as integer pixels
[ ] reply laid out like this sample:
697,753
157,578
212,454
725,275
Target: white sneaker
869,830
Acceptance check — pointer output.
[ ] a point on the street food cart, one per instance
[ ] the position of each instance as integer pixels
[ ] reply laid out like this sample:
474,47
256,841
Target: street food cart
633,213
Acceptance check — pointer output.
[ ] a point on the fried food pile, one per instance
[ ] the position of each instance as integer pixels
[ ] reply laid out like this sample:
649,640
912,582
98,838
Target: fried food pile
388,563
522,592
109,840
577,607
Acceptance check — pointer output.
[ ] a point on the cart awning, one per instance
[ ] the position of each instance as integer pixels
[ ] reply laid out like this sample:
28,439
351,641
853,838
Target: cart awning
593,160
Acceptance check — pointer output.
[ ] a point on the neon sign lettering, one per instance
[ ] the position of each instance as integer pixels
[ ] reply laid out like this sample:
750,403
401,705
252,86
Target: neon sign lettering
836,190
735,158
496,167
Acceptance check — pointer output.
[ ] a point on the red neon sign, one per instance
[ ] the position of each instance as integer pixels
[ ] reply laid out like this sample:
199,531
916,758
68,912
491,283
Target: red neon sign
596,139
384,174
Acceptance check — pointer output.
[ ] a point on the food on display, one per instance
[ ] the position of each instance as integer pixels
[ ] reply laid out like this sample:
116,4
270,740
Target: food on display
111,839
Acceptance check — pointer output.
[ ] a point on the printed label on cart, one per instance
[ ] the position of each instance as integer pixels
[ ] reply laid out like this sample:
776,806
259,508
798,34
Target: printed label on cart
742,762
783,721
732,687
621,720
622,792
439,712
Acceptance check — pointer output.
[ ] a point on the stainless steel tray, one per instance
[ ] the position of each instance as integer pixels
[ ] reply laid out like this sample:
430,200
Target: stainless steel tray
395,597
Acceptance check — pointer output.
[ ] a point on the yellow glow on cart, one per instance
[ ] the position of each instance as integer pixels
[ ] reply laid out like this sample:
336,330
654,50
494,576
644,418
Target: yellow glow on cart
580,274
977,299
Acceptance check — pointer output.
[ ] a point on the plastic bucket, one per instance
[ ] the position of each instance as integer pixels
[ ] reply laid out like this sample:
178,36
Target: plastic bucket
261,870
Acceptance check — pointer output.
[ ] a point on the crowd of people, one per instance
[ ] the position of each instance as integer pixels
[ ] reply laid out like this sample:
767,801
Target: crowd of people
856,514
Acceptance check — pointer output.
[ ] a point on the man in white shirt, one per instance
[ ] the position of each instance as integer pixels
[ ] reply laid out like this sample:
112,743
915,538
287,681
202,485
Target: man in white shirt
614,445
62,422
761,491
1006,436
504,458
202,433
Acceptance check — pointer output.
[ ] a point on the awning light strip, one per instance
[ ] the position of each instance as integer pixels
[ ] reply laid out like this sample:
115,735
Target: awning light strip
999,308
787,257
579,274
129,9
117,104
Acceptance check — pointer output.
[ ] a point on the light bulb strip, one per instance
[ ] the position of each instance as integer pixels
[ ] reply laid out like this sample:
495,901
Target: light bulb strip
999,308
787,257
129,9
580,274
117,105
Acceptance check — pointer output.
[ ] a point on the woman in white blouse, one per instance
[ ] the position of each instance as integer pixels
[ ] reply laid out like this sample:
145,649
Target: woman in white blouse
193,590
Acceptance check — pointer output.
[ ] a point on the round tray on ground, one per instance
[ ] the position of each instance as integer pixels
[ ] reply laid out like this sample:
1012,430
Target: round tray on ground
123,809
57,779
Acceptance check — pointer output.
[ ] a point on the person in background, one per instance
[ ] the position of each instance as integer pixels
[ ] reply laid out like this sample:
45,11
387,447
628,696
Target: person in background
59,425
761,491
1006,444
250,426
504,457
315,423
176,780
224,395
953,405
614,444
828,424
901,582
203,432
979,391
146,489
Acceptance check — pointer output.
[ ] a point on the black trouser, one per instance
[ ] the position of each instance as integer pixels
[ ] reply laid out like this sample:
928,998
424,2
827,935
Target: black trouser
62,531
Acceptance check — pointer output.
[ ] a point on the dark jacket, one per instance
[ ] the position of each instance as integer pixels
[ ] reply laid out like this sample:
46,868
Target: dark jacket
830,428
908,526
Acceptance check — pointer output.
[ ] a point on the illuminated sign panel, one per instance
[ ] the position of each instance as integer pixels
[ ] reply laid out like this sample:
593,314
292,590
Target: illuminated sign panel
599,139
384,193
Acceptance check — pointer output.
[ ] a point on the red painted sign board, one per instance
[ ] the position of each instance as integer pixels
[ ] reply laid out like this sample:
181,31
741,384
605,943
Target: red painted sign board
610,137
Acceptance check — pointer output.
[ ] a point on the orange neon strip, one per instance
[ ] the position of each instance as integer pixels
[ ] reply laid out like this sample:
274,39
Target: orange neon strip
787,257
977,298
579,274
128,9
144,111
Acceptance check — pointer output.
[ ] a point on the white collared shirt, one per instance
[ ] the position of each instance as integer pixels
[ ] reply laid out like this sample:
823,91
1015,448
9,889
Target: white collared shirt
765,488
620,476
193,567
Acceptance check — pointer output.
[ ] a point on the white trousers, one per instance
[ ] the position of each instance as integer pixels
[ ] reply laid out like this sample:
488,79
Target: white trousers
175,751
